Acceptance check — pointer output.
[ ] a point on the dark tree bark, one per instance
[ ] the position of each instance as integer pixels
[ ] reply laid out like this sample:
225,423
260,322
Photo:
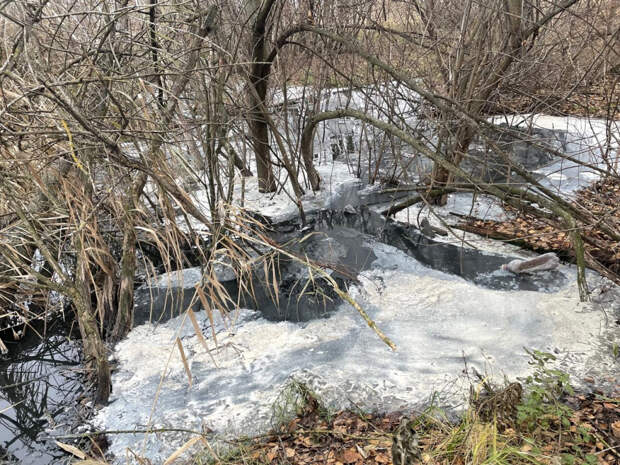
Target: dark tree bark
259,78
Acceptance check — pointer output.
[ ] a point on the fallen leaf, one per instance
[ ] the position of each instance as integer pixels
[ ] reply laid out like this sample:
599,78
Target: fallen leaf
382,458
272,454
351,456
72,450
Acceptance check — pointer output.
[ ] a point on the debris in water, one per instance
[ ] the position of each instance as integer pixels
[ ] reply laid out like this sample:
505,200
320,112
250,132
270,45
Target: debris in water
348,208
548,261
426,228
431,231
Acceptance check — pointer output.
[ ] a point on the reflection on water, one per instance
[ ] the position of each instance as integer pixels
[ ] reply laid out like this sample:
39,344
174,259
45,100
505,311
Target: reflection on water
338,241
301,295
480,267
39,385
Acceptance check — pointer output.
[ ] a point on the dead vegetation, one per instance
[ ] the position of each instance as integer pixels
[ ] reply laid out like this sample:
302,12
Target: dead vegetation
111,112
586,432
528,231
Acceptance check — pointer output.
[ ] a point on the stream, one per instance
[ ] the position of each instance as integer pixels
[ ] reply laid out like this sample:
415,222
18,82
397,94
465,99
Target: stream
40,384
445,305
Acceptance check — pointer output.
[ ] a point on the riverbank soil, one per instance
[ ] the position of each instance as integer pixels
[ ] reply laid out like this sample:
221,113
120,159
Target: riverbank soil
583,429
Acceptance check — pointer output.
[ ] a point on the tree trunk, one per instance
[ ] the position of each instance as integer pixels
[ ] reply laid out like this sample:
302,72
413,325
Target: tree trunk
259,77
124,315
473,84
458,147
95,354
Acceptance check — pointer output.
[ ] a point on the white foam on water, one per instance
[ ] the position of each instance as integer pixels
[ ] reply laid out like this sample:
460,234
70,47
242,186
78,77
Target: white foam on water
438,322
336,180
589,140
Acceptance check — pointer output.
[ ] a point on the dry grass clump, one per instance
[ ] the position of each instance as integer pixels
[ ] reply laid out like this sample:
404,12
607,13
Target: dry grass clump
582,433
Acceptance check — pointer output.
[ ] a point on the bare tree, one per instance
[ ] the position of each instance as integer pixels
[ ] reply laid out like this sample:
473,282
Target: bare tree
113,112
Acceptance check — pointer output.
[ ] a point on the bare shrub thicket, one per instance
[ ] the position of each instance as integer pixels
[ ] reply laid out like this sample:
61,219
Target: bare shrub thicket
112,111
471,52
100,141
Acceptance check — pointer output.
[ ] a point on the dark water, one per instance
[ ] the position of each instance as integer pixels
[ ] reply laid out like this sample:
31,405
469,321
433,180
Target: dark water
307,295
40,385
301,295
338,242
477,266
